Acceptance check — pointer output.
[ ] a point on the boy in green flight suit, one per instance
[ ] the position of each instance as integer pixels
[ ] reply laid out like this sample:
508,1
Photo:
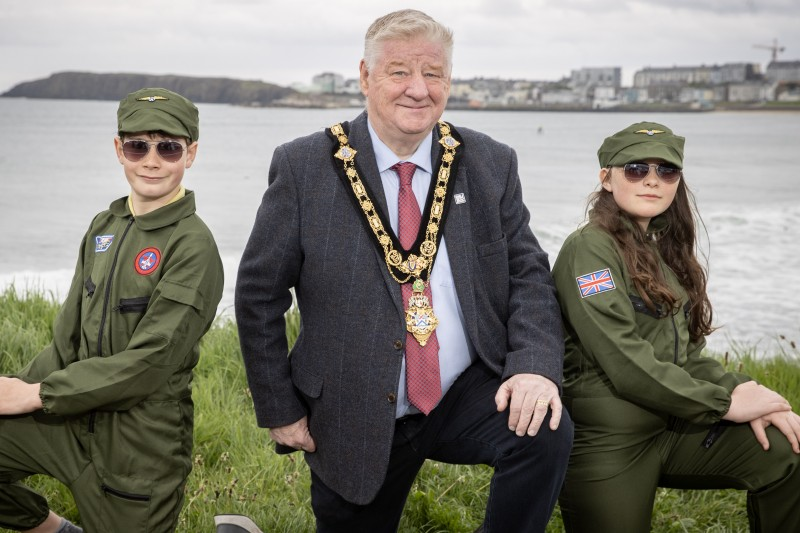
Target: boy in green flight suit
106,408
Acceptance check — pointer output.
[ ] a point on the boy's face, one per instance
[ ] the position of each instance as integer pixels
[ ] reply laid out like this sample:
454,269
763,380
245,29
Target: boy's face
153,180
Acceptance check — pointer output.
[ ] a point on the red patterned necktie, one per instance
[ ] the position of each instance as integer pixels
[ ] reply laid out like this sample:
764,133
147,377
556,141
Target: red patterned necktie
422,362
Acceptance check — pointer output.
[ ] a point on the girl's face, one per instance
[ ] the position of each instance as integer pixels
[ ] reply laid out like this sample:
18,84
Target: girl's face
642,199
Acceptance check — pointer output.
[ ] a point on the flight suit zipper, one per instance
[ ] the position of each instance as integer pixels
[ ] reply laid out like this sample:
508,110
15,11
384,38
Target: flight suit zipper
676,336
664,269
107,296
106,299
714,433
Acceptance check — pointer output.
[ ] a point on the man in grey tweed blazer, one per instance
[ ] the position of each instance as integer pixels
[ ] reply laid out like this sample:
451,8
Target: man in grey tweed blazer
327,228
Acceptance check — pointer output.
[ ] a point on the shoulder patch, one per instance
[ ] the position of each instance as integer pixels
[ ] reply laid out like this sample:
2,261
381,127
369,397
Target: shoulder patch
595,283
147,261
102,242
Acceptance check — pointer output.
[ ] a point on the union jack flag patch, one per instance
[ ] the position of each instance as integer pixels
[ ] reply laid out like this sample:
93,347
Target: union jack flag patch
595,283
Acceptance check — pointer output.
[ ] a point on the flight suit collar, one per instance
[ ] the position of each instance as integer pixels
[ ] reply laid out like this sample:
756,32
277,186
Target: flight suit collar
161,217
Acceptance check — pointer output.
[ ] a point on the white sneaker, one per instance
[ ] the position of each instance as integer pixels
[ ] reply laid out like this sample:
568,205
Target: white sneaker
235,523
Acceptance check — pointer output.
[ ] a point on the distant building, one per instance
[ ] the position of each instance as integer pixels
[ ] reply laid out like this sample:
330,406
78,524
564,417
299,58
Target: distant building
736,73
491,92
595,86
562,96
654,77
704,96
751,91
778,71
460,89
631,95
328,82
699,84
787,91
596,77
605,97
351,86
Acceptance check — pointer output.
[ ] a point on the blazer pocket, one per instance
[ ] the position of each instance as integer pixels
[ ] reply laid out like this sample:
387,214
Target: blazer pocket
308,383
491,248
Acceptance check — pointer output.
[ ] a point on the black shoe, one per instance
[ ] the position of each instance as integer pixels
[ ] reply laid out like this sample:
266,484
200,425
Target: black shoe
235,523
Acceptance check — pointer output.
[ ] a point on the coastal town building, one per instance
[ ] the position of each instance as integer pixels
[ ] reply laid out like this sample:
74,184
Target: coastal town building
327,82
702,84
783,71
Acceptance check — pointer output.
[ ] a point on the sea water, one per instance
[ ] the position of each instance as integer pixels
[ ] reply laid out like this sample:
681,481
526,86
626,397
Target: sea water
58,168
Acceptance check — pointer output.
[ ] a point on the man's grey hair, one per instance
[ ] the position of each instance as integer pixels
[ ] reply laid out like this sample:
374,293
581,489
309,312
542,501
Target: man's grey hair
406,24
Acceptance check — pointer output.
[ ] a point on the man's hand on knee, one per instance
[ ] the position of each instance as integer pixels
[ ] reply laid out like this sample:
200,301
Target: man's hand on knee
528,397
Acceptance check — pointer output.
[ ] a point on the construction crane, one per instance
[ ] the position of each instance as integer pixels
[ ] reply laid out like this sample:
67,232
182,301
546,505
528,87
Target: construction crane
774,47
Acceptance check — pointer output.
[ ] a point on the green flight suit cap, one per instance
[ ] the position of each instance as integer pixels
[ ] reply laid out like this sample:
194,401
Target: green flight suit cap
640,141
155,109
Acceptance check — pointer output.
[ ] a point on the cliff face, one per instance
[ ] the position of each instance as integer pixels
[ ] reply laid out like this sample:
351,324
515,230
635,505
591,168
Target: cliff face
92,86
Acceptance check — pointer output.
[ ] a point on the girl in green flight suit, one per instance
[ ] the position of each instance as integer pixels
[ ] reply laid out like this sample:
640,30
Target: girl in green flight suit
649,409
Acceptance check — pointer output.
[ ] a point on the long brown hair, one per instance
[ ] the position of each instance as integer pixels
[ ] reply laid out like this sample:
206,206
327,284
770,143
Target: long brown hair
676,245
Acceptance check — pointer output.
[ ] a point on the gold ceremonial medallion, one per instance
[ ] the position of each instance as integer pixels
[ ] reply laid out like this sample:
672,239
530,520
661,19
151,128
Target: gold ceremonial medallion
420,320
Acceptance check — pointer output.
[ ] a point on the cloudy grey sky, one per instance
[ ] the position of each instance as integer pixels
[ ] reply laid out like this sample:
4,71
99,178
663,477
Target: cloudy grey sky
286,41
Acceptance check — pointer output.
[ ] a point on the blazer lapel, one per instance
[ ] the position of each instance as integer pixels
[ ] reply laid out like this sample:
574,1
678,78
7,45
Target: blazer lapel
365,159
457,235
368,172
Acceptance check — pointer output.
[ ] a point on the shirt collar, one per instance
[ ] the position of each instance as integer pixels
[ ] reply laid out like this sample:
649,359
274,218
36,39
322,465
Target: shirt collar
180,194
385,158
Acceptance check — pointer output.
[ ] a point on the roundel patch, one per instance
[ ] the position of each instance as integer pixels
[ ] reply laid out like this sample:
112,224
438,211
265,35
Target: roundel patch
147,261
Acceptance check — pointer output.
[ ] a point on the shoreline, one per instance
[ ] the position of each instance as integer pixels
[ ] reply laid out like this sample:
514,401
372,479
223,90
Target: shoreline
311,104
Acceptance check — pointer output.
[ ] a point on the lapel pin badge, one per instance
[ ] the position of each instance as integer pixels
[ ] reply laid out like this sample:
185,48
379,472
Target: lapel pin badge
460,198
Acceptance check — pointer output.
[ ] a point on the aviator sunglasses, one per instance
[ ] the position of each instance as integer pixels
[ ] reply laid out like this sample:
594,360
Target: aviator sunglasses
638,171
136,149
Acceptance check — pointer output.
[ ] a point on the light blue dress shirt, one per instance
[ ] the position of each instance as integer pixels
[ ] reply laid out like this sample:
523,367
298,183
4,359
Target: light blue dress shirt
456,353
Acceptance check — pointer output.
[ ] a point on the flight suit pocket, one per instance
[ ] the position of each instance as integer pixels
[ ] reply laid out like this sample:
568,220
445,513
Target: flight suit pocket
641,307
126,502
133,305
89,286
182,294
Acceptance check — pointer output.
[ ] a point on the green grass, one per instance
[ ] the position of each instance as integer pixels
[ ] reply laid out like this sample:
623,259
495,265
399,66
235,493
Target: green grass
236,470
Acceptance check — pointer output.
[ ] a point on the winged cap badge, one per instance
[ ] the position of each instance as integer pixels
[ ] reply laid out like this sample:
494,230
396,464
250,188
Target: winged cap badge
151,98
649,132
